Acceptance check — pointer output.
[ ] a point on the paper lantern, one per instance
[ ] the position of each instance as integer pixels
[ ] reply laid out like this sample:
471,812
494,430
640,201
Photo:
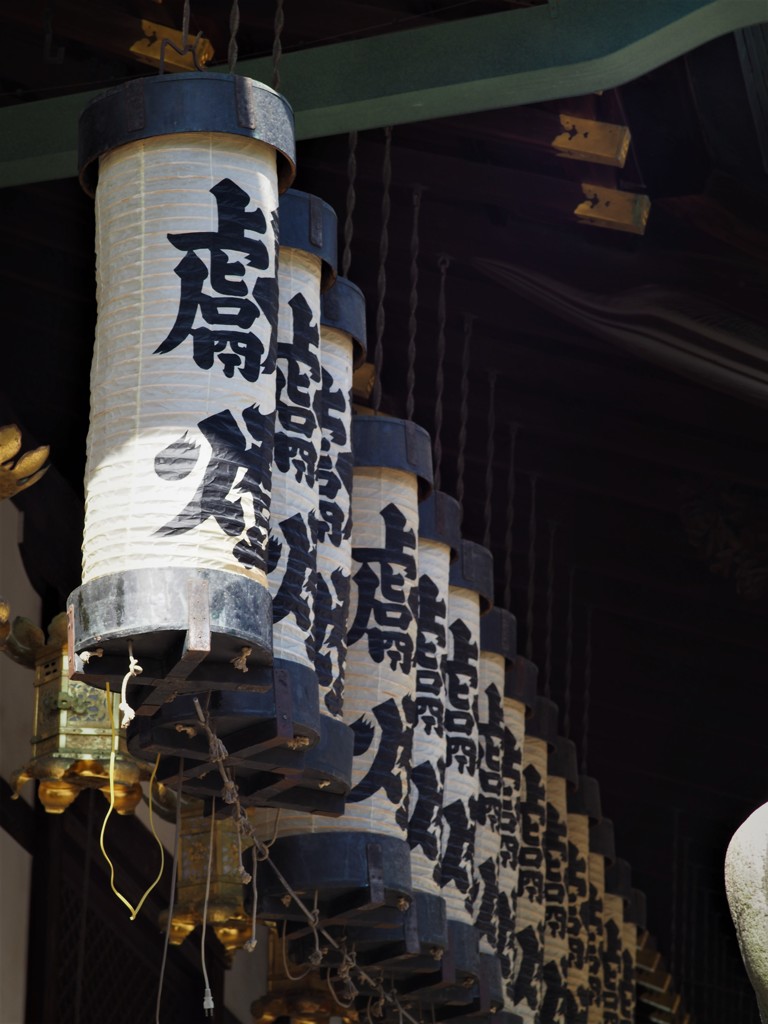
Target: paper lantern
601,849
72,735
498,647
470,592
226,914
563,775
531,906
583,810
392,466
519,702
307,264
439,539
618,896
183,377
342,347
634,921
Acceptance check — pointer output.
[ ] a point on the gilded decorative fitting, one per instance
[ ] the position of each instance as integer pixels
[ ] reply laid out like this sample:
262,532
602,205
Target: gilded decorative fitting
307,1000
72,737
226,914
16,474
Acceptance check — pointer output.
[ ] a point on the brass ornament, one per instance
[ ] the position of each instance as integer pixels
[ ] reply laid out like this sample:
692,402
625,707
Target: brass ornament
226,913
72,737
16,474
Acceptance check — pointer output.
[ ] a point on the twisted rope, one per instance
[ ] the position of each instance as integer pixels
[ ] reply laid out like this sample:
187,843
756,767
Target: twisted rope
234,25
443,263
510,518
461,459
531,571
381,280
568,659
349,226
550,611
587,688
413,302
277,45
489,459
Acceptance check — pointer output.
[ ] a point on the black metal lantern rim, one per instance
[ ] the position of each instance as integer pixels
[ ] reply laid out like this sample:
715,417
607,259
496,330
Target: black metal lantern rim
440,521
520,683
586,799
473,570
498,633
343,308
543,722
618,880
308,223
387,442
601,840
563,762
637,909
415,946
186,627
189,102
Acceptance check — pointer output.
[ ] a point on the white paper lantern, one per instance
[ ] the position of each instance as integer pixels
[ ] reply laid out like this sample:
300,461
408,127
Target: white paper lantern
471,581
562,775
439,519
498,647
392,465
634,920
342,346
531,906
183,381
583,808
306,264
600,849
618,896
519,701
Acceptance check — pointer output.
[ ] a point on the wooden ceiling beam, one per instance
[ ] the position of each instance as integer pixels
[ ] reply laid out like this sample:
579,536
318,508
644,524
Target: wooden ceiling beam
482,63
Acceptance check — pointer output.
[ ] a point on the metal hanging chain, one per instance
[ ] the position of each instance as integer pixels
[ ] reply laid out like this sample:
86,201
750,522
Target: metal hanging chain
587,688
277,45
234,25
186,47
550,611
510,519
349,226
568,659
413,303
531,571
489,457
386,208
461,459
443,263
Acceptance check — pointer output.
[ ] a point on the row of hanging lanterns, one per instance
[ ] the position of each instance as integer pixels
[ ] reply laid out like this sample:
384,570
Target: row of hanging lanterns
289,607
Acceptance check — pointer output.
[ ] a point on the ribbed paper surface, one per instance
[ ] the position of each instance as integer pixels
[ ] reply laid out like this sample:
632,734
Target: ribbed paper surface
334,529
182,380
462,780
556,896
490,719
613,941
295,490
529,922
596,936
510,836
628,992
578,918
426,796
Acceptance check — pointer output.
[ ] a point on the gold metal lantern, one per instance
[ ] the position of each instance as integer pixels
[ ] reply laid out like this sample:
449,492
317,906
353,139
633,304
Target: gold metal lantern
73,736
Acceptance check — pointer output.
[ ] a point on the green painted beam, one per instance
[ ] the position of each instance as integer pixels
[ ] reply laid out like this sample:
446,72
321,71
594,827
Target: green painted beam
563,48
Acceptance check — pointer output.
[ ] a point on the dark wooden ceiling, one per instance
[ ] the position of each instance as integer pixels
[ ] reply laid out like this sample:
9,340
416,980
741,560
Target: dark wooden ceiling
629,458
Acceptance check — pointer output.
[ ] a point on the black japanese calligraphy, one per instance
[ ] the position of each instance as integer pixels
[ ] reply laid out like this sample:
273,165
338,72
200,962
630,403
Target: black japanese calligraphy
388,769
291,549
226,309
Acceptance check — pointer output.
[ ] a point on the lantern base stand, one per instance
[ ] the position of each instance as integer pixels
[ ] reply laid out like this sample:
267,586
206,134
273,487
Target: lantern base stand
415,947
354,878
456,977
190,630
487,995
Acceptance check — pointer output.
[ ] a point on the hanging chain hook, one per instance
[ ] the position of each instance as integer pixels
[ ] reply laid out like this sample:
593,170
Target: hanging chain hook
186,47
413,303
386,207
349,226
443,263
277,45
